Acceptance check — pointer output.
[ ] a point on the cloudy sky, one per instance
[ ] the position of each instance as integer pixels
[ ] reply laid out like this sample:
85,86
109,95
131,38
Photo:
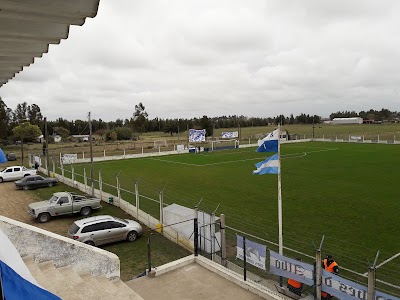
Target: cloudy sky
186,58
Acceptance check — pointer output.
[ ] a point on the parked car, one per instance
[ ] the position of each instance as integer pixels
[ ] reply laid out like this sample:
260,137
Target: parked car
101,230
62,203
15,172
11,156
35,181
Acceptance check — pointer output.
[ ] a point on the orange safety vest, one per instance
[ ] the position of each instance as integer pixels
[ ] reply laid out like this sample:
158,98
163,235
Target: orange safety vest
323,294
294,283
330,267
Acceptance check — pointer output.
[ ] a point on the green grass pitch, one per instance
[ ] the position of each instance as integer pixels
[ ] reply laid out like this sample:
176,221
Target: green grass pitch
348,192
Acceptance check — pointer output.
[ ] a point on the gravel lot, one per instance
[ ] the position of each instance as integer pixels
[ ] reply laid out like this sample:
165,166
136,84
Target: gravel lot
14,205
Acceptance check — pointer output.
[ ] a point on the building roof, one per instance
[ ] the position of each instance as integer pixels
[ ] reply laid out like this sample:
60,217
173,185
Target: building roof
28,27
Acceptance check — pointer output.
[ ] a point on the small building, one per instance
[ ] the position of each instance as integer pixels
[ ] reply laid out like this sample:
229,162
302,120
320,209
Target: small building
57,138
354,120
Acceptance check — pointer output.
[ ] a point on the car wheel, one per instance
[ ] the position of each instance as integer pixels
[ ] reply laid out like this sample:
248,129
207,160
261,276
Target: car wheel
25,187
1,179
44,217
50,184
91,243
85,211
132,236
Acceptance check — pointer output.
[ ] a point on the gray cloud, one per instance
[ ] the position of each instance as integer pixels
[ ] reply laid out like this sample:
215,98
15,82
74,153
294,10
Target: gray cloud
185,58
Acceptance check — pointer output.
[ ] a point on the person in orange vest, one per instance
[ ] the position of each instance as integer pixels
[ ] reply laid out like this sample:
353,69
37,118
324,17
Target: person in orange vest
295,286
331,266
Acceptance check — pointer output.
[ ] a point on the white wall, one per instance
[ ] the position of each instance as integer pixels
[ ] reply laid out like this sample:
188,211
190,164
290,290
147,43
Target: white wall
45,246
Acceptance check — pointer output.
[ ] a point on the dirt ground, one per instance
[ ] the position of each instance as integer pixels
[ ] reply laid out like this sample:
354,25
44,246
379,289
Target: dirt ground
14,205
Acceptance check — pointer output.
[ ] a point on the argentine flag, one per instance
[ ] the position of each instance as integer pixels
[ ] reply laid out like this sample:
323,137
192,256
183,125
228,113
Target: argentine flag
17,282
269,143
268,166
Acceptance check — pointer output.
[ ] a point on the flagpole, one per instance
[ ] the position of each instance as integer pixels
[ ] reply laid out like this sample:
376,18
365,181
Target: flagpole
280,193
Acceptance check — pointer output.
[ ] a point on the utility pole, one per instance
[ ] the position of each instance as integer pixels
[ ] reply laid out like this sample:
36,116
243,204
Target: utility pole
46,140
91,155
313,128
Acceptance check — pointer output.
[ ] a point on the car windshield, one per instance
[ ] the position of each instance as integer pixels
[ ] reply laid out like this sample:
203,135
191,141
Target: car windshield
121,220
53,199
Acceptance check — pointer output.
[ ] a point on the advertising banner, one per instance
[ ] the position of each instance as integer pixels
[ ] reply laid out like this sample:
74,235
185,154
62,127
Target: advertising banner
230,135
348,290
197,135
291,268
69,158
255,253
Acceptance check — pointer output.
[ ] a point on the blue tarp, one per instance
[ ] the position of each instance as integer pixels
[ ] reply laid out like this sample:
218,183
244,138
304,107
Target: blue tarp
2,156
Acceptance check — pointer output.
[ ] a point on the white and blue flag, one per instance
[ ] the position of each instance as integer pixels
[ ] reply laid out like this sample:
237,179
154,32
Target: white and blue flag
197,135
268,166
269,143
17,282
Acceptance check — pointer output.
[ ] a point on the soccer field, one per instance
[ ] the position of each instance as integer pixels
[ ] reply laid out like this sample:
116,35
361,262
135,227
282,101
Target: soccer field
347,192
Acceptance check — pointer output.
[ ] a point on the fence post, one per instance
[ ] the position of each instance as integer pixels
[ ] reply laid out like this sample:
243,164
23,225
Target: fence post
161,197
73,174
104,153
100,186
159,149
124,153
371,283
54,165
378,137
196,232
212,236
363,138
244,259
148,255
223,240
47,167
118,191
83,157
62,171
142,150
318,273
137,198
84,178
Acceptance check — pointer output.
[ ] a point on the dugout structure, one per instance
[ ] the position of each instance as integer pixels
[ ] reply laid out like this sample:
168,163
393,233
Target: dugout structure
224,144
180,219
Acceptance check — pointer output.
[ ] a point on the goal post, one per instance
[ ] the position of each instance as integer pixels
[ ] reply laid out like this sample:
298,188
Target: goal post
224,144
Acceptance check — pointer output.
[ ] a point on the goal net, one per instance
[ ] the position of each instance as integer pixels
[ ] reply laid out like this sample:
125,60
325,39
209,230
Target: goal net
224,144
160,143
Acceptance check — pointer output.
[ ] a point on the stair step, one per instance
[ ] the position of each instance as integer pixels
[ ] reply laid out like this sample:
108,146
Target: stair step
70,275
91,281
126,290
118,291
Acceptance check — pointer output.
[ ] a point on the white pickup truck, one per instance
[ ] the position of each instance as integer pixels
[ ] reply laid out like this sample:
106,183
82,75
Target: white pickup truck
15,173
62,203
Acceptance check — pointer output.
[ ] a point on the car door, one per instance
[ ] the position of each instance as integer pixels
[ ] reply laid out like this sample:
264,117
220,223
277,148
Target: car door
39,181
100,234
30,182
8,174
17,173
116,231
63,206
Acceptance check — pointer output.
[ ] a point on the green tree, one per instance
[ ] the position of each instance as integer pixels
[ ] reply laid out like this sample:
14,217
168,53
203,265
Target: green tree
63,132
206,124
34,115
140,118
27,132
124,133
5,118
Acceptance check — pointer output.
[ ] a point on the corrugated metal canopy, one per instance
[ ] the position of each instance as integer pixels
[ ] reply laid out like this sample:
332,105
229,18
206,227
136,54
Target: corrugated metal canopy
27,27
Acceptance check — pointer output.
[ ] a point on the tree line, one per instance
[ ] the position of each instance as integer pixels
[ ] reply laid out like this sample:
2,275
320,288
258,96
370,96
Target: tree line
27,121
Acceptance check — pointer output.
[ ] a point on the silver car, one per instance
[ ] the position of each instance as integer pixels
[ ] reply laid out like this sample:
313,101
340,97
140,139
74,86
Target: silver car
100,230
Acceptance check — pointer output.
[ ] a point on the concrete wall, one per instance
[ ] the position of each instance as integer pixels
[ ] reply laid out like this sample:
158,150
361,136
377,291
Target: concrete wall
45,246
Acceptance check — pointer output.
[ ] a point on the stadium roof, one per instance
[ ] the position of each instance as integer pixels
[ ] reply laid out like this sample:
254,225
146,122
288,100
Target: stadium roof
28,27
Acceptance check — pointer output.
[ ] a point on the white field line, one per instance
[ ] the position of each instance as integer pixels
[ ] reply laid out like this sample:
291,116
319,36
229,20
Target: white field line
386,261
293,155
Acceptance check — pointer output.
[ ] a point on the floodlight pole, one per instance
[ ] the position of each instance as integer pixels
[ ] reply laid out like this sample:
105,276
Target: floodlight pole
46,140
